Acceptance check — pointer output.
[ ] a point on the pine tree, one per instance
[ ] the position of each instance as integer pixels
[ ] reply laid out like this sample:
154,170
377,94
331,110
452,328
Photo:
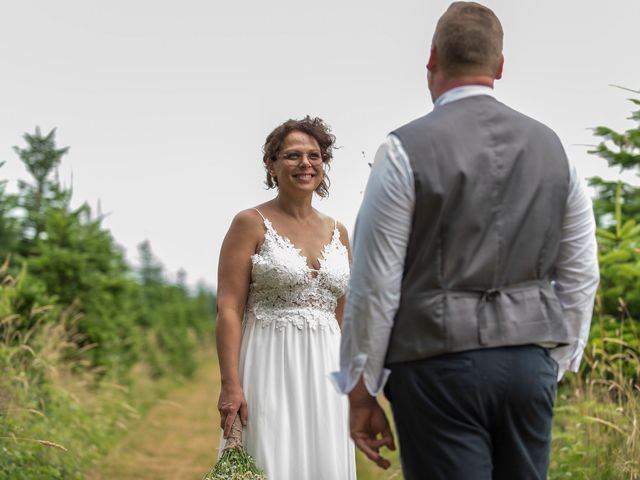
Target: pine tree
622,151
617,209
41,158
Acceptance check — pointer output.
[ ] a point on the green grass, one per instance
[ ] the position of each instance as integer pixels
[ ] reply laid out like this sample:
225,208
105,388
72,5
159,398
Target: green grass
55,423
597,420
58,414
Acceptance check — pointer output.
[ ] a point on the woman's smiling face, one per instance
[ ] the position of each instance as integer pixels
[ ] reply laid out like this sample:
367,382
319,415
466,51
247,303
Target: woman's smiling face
299,165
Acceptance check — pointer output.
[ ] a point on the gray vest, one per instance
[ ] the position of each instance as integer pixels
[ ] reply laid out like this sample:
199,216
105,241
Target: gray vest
491,187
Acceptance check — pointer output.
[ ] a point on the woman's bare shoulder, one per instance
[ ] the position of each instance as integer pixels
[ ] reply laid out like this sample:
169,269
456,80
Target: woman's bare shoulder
344,234
341,228
248,221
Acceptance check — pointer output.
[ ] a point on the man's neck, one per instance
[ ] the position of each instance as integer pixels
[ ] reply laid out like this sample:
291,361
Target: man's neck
451,83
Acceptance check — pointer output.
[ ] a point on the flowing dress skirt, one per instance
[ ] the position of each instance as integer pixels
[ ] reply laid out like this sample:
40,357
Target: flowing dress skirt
298,426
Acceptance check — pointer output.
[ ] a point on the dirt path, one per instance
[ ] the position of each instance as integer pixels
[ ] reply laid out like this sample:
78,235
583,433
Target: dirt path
177,440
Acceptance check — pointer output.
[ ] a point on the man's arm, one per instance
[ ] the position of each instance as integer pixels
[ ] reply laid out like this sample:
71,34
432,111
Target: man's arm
380,244
379,249
577,274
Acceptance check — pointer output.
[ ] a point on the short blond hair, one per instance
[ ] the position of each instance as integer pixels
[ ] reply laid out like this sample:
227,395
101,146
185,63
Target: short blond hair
468,40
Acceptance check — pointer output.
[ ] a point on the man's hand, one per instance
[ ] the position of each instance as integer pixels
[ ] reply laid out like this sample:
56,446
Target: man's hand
367,420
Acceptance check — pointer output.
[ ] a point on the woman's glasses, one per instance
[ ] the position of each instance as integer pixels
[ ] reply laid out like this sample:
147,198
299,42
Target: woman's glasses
296,157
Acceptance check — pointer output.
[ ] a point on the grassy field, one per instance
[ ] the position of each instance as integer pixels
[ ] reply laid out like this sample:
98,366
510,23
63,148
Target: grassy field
595,437
61,421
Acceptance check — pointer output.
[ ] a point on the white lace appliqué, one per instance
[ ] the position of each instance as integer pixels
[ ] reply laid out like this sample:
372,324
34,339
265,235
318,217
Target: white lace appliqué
285,290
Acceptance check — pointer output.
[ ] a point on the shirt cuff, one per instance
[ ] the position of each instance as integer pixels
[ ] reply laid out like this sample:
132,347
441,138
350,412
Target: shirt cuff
346,378
568,357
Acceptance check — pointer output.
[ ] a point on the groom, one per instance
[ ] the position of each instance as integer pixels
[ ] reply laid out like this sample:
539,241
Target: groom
473,277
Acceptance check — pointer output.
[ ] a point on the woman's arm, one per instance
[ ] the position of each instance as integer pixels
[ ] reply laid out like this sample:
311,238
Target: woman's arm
234,276
344,238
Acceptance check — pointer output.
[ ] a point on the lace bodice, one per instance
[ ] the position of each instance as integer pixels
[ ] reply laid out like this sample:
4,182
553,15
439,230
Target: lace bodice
285,290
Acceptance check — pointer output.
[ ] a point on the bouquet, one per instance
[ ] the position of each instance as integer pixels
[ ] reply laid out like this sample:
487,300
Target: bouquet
235,463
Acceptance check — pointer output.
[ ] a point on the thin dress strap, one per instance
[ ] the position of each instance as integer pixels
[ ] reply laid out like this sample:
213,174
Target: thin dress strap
259,213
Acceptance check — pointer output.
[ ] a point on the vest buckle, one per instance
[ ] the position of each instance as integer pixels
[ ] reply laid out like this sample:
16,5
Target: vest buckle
490,295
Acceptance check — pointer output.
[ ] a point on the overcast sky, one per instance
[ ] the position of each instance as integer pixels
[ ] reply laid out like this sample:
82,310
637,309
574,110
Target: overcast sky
166,105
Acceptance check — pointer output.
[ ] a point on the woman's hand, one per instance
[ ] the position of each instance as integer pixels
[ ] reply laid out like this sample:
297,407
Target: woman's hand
231,403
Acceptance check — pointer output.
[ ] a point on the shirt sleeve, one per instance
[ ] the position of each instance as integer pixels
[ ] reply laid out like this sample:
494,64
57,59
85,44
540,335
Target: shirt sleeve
577,274
380,243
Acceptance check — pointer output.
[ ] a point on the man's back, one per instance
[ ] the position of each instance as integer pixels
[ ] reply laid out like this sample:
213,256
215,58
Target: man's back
491,187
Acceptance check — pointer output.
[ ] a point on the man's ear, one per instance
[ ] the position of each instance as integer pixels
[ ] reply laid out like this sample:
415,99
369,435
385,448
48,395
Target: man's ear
433,59
500,66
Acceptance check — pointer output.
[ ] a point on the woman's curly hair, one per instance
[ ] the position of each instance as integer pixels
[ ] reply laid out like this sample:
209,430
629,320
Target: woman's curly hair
314,127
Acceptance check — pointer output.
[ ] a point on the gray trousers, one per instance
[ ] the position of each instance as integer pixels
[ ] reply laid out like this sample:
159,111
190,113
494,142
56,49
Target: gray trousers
476,415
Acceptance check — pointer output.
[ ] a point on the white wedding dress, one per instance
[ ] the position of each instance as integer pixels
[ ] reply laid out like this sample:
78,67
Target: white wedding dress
298,426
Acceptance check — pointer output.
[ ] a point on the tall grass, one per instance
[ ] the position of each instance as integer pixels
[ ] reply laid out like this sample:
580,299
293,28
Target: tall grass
42,408
597,424
58,412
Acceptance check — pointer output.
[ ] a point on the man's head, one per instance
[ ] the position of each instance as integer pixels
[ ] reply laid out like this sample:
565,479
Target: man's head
467,44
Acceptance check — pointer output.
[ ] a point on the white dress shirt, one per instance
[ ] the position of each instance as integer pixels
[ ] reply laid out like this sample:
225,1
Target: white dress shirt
381,236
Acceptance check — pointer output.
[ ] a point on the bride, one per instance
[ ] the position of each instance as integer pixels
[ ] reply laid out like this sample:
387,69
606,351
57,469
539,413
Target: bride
283,273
